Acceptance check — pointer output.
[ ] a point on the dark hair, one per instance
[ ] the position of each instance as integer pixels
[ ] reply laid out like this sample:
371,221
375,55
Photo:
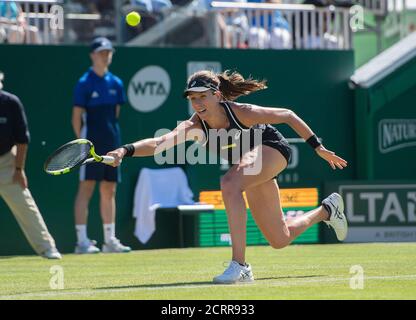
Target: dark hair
231,84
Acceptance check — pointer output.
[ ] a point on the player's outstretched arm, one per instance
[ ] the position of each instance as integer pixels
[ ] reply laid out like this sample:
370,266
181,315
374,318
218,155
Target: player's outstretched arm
252,114
186,130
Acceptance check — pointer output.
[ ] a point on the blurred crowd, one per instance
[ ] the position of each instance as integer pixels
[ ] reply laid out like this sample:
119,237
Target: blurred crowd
238,30
273,31
83,30
14,27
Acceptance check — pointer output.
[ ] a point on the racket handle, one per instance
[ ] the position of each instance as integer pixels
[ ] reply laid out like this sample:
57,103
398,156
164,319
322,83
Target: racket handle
105,159
108,159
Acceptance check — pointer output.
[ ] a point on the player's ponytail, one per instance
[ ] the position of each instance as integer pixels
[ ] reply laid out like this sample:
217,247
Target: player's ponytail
233,85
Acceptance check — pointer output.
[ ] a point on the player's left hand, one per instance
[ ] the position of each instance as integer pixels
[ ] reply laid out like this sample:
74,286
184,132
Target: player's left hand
330,156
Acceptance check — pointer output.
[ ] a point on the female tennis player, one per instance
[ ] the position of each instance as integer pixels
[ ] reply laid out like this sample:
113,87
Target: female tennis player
212,97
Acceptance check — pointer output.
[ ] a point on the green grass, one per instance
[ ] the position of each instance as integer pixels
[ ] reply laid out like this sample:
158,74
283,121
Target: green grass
296,272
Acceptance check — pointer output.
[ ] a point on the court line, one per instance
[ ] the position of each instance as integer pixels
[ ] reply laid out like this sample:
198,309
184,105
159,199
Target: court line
92,292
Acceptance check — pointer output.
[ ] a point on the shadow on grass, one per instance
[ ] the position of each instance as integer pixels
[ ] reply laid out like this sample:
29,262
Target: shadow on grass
144,286
294,277
159,285
156,285
202,283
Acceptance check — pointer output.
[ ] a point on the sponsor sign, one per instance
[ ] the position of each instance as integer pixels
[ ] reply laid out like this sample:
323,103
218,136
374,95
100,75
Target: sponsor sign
380,212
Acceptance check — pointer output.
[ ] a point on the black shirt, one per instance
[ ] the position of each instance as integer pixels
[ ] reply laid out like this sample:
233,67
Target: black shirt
13,123
235,144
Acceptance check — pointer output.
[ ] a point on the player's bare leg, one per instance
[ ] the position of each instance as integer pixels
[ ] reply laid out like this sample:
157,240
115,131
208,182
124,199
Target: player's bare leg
266,209
234,182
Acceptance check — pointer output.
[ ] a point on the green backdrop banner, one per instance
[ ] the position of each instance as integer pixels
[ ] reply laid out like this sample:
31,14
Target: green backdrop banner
386,126
311,83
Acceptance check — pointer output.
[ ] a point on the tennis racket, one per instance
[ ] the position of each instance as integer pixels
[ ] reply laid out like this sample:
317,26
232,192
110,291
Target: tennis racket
72,155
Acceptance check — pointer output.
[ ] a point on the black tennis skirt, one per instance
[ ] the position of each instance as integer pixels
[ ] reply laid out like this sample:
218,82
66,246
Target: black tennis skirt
274,139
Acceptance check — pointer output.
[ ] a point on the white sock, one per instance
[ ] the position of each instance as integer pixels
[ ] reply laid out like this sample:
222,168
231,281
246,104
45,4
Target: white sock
109,232
81,232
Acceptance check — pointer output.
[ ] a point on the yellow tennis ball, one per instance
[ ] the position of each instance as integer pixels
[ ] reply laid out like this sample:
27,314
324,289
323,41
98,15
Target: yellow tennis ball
133,18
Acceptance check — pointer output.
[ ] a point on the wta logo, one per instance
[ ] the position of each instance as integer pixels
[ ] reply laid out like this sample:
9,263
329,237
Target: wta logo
395,134
149,88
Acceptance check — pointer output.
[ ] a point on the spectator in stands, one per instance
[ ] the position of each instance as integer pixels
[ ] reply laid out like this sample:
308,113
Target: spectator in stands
3,34
280,34
271,31
15,26
104,26
152,6
81,30
234,26
9,19
314,41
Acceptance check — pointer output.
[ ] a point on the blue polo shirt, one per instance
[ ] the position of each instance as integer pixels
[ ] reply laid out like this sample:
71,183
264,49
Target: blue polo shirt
99,96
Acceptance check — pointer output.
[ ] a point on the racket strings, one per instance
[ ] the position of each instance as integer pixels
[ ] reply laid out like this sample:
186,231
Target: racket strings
68,157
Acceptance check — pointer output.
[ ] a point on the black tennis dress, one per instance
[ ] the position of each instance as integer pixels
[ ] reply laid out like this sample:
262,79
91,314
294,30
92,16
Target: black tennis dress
237,139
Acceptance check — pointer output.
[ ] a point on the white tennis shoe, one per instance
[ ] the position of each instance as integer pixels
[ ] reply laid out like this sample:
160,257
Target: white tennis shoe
51,253
115,246
337,219
87,247
235,273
